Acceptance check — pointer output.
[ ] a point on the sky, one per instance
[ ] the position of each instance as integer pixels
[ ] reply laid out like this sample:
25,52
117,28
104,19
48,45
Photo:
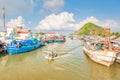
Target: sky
60,15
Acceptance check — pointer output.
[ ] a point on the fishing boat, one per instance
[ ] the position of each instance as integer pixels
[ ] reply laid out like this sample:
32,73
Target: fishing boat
59,40
106,58
50,41
22,46
118,57
116,47
100,51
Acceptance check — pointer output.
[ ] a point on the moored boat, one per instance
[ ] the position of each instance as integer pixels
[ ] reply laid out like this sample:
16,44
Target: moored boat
50,41
21,47
118,57
100,50
116,48
106,58
59,40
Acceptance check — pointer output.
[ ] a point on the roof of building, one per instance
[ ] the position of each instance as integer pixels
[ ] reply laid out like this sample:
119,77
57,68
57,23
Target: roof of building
50,32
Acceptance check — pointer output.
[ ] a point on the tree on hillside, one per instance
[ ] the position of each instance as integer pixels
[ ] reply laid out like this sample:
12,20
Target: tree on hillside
115,34
41,33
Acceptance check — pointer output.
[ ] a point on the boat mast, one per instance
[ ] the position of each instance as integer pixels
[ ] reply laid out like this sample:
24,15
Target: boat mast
107,37
3,13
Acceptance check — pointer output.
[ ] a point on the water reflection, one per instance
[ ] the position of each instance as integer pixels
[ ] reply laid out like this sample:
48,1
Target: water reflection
99,71
51,61
3,60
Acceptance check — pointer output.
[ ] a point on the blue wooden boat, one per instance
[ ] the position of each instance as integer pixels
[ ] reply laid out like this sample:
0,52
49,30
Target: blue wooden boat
14,49
59,40
50,41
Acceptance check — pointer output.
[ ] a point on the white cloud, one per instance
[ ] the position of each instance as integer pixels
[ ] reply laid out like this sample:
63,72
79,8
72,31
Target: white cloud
17,6
109,23
114,25
106,23
53,5
62,21
88,19
65,21
16,22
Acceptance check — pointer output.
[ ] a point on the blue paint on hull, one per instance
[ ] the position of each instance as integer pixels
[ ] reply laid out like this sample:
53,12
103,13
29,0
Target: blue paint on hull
57,40
22,49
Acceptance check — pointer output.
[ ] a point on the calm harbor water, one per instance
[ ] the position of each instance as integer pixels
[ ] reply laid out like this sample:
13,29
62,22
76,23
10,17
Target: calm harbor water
71,64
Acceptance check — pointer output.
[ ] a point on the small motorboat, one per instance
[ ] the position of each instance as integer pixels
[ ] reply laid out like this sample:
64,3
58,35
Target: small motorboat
51,56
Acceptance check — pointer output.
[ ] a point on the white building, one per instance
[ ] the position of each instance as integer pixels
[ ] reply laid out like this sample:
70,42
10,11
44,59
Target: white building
2,33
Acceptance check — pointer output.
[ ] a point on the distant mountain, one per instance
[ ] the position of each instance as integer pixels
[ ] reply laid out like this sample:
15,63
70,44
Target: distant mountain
90,28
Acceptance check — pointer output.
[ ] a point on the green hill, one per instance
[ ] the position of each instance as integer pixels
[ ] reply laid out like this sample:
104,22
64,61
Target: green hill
90,28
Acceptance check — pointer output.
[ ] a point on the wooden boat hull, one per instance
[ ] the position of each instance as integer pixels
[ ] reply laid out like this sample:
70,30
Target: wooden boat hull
101,57
118,57
22,49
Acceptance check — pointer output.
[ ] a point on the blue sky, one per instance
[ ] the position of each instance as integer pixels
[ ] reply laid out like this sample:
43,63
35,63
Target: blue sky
69,14
102,9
